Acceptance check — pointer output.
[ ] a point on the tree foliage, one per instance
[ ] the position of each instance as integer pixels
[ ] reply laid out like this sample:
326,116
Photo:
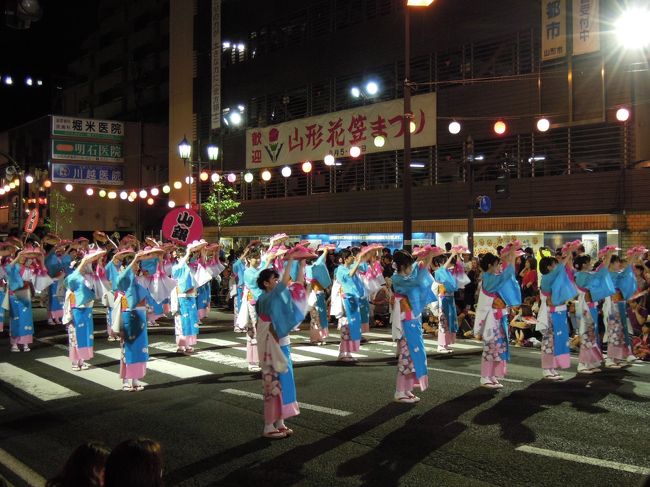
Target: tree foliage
61,212
221,207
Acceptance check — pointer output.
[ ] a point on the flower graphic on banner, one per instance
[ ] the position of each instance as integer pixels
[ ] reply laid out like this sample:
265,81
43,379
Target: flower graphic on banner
274,148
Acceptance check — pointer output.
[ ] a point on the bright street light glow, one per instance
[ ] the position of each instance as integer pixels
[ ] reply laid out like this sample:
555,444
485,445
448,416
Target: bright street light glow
306,166
213,152
112,195
102,193
379,141
419,3
454,128
235,118
329,160
204,176
232,177
622,114
178,185
248,177
355,151
143,193
166,189
29,179
150,201
372,88
412,127
39,82
286,171
154,191
90,191
124,195
68,188
543,124
214,177
355,92
500,127
29,81
632,28
171,203
184,149
133,195
266,175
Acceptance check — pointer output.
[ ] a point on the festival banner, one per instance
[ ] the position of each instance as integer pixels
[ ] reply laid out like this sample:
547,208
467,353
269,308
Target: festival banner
182,226
586,29
310,139
553,30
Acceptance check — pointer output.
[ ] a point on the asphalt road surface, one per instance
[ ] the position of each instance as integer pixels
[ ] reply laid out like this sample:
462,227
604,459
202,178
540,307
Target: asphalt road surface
206,410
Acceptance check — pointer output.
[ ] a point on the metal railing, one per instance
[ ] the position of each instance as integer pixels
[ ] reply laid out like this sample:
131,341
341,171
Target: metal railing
561,151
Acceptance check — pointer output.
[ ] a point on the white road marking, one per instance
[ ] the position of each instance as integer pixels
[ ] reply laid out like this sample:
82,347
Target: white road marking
312,407
427,341
104,378
457,372
32,384
218,342
14,465
208,355
537,352
163,366
323,351
588,460
383,336
295,357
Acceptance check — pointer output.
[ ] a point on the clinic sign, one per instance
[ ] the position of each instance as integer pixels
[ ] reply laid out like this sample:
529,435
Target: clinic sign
88,174
87,128
311,139
87,151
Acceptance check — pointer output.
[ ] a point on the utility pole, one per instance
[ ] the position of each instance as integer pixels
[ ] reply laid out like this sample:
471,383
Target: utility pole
469,164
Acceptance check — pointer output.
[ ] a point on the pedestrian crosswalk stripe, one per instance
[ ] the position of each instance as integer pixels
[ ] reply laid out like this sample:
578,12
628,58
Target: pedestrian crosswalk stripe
427,341
175,369
296,358
462,346
598,462
218,342
382,336
302,405
324,351
104,378
208,355
32,384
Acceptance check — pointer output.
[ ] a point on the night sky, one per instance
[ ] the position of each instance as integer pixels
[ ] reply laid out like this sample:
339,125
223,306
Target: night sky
42,51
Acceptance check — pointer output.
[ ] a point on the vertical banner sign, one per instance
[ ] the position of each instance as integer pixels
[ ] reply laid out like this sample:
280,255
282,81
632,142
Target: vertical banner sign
586,27
554,29
32,221
216,65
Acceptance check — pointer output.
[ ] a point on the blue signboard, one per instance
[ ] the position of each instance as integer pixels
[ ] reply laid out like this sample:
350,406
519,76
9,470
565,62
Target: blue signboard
94,174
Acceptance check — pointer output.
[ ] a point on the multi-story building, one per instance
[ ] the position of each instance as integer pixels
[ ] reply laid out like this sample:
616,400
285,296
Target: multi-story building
122,72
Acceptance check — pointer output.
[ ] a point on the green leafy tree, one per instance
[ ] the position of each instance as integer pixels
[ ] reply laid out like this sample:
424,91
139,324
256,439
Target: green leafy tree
61,212
221,207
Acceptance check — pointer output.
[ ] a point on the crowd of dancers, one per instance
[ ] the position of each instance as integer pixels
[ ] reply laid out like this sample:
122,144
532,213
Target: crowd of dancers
276,285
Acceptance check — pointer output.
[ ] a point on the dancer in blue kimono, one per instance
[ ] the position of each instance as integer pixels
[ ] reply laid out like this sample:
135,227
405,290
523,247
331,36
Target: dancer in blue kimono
447,316
319,279
351,290
56,262
238,270
556,289
593,286
499,291
78,316
21,325
277,314
247,318
412,290
133,327
618,336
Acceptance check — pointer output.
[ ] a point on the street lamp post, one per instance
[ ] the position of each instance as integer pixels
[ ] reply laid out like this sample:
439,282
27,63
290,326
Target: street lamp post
407,224
184,152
